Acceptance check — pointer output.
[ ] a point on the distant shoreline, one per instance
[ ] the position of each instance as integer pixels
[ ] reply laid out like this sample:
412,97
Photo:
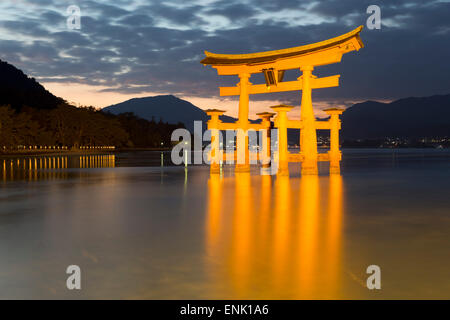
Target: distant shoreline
52,152
47,152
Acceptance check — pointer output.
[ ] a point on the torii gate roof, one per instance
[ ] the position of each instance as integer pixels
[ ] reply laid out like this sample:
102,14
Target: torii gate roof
270,56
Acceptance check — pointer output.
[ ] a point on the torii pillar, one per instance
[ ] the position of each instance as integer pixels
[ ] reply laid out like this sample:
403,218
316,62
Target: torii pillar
215,155
243,155
335,154
281,121
265,154
308,136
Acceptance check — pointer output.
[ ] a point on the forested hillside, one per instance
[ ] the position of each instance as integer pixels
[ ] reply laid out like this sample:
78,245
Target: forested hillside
32,116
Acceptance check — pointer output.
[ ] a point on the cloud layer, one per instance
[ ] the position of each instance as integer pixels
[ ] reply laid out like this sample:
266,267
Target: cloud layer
137,46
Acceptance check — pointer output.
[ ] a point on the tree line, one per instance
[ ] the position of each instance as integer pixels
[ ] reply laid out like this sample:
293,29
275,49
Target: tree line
70,126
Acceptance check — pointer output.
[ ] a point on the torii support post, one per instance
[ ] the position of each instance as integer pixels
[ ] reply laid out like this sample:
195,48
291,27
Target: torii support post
334,153
243,155
213,126
266,140
281,122
308,135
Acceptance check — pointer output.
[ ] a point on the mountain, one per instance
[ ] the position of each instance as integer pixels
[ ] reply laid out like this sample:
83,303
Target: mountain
167,108
404,118
19,90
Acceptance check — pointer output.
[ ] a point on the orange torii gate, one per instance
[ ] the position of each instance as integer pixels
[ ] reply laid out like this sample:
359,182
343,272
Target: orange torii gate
273,65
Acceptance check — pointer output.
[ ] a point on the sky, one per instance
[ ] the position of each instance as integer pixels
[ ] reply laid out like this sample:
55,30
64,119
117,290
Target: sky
137,48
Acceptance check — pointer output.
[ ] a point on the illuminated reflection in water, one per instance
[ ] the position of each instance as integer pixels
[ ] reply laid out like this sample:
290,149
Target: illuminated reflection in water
166,232
50,167
284,240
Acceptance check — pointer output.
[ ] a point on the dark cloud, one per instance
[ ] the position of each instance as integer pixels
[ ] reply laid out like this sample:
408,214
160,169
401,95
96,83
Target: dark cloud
136,20
138,46
185,15
232,11
270,5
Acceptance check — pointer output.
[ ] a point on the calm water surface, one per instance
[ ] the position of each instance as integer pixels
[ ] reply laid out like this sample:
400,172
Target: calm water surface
138,230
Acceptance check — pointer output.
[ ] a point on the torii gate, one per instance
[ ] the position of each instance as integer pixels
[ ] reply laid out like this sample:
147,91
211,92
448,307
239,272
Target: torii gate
273,64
